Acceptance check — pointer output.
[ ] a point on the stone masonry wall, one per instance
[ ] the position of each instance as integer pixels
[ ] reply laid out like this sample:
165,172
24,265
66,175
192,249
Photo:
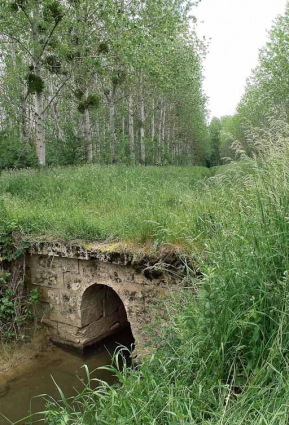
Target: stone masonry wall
86,300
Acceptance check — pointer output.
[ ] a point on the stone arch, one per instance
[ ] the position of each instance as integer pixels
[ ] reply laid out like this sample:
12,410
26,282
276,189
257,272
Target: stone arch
102,314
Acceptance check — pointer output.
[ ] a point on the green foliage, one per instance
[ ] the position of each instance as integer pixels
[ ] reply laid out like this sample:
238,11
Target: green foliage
70,152
215,128
35,83
103,48
91,102
18,153
53,10
17,305
118,77
18,4
266,94
53,64
148,42
231,135
79,94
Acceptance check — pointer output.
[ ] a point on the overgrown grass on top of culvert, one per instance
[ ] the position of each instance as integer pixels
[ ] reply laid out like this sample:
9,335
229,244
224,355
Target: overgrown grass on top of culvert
141,204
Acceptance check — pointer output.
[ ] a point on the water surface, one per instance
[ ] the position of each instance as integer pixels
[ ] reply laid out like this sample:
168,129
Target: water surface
66,367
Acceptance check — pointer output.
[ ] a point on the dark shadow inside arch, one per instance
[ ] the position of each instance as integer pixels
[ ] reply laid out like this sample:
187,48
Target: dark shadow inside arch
103,316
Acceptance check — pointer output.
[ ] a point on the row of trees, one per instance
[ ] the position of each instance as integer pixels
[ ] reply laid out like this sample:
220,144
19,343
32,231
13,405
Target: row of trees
101,81
266,97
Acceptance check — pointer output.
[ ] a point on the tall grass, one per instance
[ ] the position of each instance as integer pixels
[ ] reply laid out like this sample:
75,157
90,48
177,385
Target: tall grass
100,202
223,357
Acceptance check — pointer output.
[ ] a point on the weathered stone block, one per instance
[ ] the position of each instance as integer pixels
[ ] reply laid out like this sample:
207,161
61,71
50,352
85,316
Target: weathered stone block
91,312
98,329
67,334
44,272
111,305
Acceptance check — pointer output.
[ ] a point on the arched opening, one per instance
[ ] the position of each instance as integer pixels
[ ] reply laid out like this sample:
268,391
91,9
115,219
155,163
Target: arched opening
102,314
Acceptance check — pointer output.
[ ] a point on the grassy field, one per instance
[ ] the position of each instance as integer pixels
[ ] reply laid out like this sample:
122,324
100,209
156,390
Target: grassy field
222,358
100,202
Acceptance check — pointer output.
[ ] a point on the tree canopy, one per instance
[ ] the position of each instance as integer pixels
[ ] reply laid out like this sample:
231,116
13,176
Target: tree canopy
93,81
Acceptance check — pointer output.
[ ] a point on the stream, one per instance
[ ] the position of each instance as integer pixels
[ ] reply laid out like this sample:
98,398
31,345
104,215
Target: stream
29,380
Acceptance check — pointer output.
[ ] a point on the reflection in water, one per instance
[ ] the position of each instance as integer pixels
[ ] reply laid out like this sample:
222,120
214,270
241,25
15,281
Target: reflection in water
65,367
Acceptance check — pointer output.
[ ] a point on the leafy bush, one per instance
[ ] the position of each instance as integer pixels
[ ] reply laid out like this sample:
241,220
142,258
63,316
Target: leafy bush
18,154
17,304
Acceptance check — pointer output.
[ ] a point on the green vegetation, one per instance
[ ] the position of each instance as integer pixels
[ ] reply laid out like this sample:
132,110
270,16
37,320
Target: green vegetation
223,356
265,99
122,83
17,304
106,82
155,205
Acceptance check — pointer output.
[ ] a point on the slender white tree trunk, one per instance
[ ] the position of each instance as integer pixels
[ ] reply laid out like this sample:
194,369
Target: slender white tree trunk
131,129
112,124
164,132
142,128
173,142
160,148
123,127
39,125
87,136
153,121
102,140
38,107
98,142
153,131
123,120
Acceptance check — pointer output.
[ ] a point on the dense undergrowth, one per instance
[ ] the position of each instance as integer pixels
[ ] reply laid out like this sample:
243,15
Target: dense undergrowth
223,356
17,303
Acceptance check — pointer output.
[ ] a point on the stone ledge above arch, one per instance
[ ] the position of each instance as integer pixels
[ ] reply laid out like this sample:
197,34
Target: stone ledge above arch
62,282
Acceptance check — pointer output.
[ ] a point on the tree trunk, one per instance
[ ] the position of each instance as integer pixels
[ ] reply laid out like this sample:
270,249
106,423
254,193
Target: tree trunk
142,128
87,136
173,142
160,148
24,130
98,142
112,123
153,131
123,128
39,125
38,106
131,129
163,133
59,133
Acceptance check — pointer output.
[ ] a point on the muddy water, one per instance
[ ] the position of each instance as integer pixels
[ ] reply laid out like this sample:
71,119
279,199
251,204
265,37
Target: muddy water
35,377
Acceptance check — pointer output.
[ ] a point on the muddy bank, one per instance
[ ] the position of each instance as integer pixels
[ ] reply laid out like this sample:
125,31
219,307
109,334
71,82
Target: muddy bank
14,354
20,356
